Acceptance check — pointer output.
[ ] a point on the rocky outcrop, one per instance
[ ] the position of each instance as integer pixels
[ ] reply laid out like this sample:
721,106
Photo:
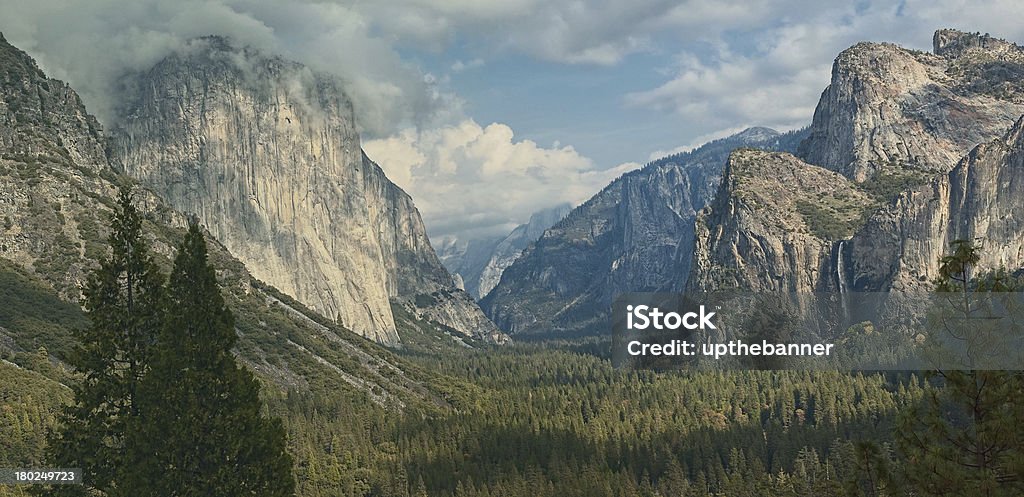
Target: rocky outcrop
635,235
890,108
52,160
980,199
891,120
57,191
772,226
43,118
266,153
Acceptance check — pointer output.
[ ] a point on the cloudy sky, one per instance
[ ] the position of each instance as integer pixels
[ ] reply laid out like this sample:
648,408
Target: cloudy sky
488,110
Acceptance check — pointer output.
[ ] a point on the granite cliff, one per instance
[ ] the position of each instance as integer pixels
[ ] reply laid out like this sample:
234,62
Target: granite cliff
772,224
897,125
889,107
979,199
635,235
57,191
266,153
52,164
907,151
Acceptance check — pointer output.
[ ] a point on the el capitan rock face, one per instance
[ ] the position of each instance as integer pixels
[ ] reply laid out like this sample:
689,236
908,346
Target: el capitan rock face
266,153
57,192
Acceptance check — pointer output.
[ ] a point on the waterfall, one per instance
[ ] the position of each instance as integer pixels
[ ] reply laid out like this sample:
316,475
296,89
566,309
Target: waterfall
841,278
840,268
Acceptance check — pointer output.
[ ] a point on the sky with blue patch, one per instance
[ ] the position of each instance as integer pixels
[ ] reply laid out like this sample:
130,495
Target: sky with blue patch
487,111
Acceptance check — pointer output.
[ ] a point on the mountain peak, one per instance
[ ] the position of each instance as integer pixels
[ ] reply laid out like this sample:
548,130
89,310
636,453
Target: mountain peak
953,43
978,75
757,133
14,58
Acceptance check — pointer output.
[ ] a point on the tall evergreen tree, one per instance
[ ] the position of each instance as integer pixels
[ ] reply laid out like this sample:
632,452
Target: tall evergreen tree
966,437
201,433
123,301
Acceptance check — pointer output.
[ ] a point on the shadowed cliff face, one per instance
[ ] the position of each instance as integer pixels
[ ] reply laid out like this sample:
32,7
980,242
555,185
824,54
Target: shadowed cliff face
511,247
480,262
772,225
267,154
635,235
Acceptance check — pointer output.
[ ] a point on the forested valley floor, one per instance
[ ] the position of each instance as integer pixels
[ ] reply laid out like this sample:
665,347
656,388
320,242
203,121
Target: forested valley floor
534,419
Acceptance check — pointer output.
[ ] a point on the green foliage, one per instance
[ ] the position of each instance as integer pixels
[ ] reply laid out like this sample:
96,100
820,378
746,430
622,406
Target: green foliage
838,218
830,222
965,437
872,473
531,419
955,269
200,428
29,406
425,300
59,258
892,181
546,419
90,234
123,300
550,422
32,315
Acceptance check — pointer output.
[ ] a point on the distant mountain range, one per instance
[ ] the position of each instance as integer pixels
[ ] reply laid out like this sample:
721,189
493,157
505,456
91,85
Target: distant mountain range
635,235
478,263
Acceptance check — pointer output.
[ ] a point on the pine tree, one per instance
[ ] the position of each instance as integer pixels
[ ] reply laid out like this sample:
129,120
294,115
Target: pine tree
123,301
201,432
871,473
966,438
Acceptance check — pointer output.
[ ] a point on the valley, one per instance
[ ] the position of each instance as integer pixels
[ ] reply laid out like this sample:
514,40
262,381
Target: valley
399,368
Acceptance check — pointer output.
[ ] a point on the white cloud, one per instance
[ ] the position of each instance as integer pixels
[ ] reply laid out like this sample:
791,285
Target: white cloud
90,43
470,180
599,32
459,66
734,64
774,74
777,86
